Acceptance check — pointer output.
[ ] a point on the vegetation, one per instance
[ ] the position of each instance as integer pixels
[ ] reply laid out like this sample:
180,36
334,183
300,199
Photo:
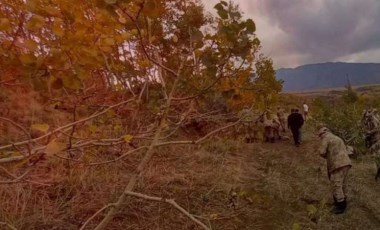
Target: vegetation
94,93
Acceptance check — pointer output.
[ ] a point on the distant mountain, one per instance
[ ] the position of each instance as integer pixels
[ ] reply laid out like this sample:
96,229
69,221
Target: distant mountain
328,75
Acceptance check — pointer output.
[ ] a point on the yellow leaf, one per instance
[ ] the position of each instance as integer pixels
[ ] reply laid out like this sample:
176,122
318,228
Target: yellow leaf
27,44
54,147
126,35
175,38
93,128
109,41
213,216
57,28
5,24
311,209
40,127
127,138
27,58
52,11
36,22
72,82
134,32
122,20
296,226
110,2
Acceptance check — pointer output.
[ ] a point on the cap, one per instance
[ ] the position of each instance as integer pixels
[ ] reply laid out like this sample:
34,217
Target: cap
322,131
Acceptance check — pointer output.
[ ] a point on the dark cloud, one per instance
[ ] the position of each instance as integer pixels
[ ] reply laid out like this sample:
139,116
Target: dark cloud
324,30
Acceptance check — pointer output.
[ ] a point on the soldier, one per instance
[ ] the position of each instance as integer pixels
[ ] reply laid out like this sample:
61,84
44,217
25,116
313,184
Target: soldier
281,118
334,150
247,122
295,122
371,123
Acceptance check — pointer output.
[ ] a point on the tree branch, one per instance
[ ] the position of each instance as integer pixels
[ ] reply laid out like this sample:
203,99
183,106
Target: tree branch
95,214
66,126
169,201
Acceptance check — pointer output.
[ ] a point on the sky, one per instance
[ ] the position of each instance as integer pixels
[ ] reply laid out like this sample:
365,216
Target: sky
298,32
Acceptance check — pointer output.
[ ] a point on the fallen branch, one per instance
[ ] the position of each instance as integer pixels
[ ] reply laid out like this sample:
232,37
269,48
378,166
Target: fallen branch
95,214
169,201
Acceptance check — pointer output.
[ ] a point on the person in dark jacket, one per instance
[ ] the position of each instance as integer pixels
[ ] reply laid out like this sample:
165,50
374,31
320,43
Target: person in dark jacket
295,122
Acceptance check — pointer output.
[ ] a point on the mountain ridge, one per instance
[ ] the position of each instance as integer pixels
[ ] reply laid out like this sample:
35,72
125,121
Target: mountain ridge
328,75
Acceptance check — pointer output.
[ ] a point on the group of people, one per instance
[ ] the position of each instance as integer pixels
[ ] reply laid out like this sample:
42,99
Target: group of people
336,153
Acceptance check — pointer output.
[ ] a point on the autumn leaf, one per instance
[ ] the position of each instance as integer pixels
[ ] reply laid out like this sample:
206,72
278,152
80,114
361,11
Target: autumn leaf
27,58
175,38
40,127
54,147
128,138
296,226
311,209
36,22
28,44
5,24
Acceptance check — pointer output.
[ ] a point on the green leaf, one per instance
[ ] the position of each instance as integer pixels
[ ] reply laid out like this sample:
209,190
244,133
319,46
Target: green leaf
311,209
219,6
127,138
224,3
93,128
296,226
223,14
251,27
40,127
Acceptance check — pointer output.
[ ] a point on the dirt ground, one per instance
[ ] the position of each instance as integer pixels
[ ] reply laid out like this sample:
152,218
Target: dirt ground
279,186
226,183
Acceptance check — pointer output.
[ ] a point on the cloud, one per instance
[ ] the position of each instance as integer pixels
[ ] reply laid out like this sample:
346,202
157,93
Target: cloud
309,31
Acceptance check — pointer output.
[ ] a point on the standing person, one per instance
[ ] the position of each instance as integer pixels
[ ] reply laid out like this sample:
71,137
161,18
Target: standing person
281,118
335,152
295,122
305,110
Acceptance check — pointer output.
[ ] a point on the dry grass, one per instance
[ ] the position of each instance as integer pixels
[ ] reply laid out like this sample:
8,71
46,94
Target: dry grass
274,184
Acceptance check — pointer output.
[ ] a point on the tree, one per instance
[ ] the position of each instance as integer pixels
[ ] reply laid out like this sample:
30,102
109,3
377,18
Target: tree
125,68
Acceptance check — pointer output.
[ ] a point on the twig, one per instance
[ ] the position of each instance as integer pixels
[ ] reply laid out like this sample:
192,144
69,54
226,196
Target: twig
16,179
169,201
8,225
96,213
65,126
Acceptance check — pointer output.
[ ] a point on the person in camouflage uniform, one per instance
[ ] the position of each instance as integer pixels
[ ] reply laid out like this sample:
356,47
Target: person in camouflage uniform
334,150
281,118
246,127
371,127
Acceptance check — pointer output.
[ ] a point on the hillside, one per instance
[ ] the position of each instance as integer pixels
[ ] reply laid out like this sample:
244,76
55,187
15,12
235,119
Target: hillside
328,75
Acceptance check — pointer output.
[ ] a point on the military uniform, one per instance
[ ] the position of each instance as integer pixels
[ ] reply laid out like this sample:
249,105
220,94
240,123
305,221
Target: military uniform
334,150
282,119
246,124
371,123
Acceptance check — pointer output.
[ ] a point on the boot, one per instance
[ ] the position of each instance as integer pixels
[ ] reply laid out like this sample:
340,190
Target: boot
377,174
340,207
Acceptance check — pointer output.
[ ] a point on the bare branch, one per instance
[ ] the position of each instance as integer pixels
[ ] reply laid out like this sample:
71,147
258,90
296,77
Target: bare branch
95,214
66,126
8,225
171,202
16,179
